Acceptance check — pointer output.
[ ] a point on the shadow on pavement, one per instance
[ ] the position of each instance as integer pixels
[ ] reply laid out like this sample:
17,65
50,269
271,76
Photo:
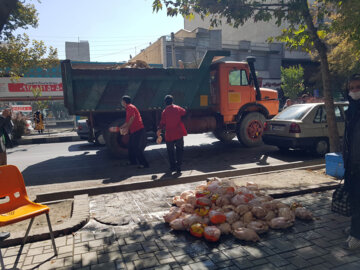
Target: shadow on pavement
98,165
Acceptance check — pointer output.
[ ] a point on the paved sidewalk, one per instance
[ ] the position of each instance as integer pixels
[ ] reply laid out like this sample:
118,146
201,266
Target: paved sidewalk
50,136
127,232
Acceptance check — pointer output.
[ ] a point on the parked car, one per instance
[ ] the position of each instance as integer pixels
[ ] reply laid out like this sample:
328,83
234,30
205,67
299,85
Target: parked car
83,132
303,126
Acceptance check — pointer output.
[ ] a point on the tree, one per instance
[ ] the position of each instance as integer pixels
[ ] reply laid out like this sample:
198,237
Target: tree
17,53
306,29
292,81
16,14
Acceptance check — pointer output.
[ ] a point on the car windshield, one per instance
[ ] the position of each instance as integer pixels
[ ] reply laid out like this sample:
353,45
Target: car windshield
294,112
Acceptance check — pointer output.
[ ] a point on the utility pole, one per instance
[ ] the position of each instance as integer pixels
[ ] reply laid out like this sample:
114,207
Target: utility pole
173,58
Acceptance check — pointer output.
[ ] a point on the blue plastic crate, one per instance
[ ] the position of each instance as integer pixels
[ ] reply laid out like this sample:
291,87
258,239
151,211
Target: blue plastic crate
334,165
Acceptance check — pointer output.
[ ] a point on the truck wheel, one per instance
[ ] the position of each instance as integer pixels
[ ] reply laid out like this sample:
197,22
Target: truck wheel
250,130
99,139
223,136
321,147
116,143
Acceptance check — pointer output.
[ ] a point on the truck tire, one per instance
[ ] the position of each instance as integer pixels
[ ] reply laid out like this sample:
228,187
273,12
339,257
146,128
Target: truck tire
117,144
223,136
99,138
250,129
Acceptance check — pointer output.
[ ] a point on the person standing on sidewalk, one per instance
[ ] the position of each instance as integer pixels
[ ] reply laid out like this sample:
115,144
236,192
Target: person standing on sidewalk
135,127
6,127
39,121
352,158
174,132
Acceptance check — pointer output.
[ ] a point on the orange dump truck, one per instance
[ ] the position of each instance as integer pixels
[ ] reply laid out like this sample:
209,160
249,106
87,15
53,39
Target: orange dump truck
222,97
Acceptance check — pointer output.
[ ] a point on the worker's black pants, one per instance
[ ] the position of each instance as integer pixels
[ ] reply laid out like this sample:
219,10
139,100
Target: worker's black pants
137,146
175,162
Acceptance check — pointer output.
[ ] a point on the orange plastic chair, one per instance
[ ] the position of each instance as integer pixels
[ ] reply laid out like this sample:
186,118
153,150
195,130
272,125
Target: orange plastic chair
15,206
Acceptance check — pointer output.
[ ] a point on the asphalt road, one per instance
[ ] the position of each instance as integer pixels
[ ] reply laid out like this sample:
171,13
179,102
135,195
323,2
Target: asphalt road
61,166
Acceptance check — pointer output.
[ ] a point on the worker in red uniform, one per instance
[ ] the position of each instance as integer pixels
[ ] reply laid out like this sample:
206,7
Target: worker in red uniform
174,132
135,127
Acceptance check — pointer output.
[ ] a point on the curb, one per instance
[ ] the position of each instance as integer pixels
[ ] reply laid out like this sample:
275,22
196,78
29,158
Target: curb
48,140
80,216
92,191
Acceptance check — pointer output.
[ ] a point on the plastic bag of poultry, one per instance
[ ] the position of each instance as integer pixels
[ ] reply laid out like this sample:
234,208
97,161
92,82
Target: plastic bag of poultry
303,213
258,226
177,224
217,217
258,212
225,228
178,201
174,213
246,234
280,223
184,195
203,201
197,230
212,233
247,217
242,198
191,219
202,211
222,200
237,224
286,213
231,217
187,208
241,209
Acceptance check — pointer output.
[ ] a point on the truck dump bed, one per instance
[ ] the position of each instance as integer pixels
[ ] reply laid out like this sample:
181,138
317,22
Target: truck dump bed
100,90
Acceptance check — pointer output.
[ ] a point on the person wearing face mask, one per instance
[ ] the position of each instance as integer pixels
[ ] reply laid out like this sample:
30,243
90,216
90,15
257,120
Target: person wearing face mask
351,156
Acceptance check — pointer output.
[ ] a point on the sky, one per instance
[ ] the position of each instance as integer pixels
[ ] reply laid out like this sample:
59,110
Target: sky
114,28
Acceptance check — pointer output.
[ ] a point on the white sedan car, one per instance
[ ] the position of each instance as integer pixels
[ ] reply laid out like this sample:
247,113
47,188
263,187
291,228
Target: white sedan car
303,126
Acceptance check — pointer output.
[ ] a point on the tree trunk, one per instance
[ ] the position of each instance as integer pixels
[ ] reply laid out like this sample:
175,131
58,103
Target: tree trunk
325,73
6,7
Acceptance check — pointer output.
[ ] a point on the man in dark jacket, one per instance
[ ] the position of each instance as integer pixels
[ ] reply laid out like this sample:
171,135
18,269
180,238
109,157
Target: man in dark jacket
352,158
174,132
5,130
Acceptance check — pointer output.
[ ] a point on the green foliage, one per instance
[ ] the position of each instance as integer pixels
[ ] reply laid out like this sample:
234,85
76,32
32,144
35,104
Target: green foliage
39,104
292,81
18,55
19,128
23,16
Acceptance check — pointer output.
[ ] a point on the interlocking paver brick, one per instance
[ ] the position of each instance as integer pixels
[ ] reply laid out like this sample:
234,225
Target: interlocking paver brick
111,256
131,248
102,266
317,244
234,253
242,263
150,262
89,258
203,265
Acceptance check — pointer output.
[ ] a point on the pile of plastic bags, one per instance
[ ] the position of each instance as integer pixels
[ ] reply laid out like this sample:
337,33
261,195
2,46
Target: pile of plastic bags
218,207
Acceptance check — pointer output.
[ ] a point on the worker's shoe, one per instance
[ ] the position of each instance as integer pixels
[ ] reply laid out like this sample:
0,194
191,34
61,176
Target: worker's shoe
353,243
4,235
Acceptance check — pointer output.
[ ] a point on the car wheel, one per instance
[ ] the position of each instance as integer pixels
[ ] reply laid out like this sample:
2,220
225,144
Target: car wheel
321,147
